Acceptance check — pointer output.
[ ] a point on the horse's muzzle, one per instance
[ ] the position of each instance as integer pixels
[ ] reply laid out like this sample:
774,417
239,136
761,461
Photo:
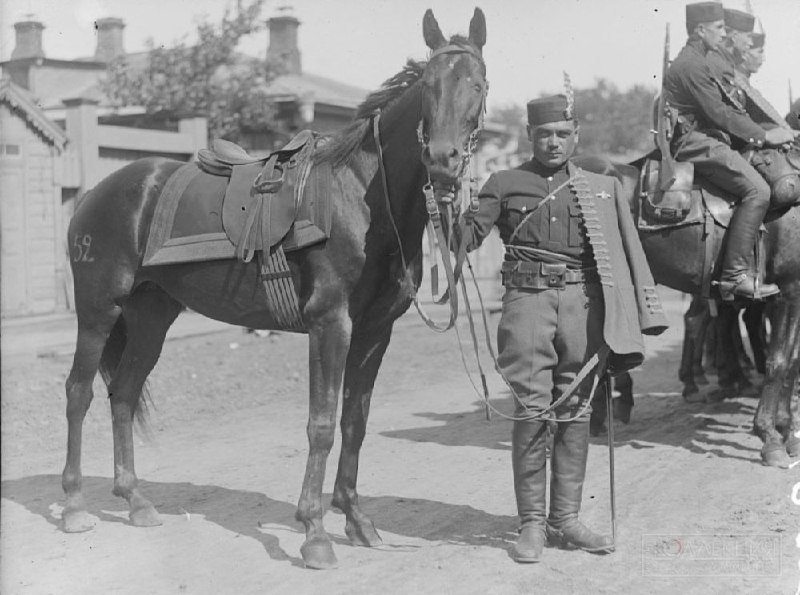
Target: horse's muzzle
443,163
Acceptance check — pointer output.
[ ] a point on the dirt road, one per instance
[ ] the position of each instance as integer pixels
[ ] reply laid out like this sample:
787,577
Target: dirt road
224,461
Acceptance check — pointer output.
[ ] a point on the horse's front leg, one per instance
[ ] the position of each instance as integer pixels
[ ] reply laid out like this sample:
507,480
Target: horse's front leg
785,337
328,344
366,353
792,396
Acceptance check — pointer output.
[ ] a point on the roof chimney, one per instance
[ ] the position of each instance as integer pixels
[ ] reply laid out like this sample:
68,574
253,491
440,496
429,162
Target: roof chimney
29,39
283,40
109,39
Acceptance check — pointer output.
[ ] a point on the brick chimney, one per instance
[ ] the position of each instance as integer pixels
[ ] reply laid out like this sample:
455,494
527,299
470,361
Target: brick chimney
283,41
109,39
29,39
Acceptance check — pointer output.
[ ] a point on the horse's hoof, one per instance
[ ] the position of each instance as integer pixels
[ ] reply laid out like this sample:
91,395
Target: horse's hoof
775,457
364,534
693,397
145,516
318,553
622,410
701,379
77,521
793,446
720,394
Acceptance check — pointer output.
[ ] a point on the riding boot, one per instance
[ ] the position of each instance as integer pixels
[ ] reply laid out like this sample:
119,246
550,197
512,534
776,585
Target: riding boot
529,462
568,470
739,278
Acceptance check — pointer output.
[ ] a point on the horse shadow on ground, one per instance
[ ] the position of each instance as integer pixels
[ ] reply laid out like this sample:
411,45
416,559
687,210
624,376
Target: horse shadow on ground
250,514
658,418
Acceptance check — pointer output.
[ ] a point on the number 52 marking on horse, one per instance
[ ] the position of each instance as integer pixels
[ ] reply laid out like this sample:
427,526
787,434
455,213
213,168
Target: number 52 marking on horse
81,245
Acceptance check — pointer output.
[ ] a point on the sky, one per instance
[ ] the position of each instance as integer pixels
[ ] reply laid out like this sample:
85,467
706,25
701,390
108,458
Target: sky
364,42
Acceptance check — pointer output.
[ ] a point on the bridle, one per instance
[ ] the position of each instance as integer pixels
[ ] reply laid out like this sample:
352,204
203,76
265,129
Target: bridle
439,199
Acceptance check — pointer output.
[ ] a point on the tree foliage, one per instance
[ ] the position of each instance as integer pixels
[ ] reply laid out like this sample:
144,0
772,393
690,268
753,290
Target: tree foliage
207,78
612,122
615,122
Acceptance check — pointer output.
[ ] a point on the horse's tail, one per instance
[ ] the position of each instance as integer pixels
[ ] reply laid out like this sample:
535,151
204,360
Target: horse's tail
109,362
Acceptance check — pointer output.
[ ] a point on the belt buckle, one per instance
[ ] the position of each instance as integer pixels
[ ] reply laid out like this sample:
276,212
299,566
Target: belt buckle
554,273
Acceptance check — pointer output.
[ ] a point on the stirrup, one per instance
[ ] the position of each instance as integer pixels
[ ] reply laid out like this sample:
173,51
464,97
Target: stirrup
745,286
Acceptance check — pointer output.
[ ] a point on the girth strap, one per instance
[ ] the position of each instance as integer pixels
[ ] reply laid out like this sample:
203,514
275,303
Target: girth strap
279,287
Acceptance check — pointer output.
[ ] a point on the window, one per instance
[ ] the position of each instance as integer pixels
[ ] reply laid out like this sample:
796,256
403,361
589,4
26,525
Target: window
11,150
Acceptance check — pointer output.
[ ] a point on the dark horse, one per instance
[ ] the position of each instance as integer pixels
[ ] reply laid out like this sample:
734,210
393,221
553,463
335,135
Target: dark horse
351,288
676,258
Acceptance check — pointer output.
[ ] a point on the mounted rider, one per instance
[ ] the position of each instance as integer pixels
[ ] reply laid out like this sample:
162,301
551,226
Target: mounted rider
710,119
577,286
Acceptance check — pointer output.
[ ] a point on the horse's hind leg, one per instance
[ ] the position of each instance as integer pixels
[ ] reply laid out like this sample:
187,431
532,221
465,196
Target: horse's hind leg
363,361
148,314
94,328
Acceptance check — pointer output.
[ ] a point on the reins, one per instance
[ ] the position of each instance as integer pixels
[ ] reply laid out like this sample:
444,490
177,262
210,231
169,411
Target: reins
434,221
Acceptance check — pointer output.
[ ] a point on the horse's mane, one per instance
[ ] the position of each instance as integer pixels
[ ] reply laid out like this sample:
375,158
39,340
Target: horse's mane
341,146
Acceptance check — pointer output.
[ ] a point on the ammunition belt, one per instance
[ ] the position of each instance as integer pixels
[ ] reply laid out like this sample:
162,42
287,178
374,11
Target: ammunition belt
520,274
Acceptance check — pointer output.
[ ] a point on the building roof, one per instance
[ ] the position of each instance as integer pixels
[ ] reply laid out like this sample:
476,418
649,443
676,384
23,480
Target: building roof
23,103
320,89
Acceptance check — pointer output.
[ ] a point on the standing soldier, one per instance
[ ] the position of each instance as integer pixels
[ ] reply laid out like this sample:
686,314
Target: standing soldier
577,286
708,121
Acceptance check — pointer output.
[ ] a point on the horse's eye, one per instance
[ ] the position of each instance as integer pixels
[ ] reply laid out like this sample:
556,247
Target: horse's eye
478,88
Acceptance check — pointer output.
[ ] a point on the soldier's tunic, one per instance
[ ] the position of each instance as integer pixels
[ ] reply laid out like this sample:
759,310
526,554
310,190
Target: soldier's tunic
546,334
708,122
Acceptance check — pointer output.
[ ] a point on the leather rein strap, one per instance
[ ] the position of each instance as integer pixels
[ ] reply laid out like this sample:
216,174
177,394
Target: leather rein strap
436,221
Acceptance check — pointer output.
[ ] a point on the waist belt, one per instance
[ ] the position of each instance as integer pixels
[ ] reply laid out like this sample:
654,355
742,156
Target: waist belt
520,274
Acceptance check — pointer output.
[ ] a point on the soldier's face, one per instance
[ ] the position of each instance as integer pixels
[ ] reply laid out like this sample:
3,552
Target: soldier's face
752,59
554,142
712,33
739,41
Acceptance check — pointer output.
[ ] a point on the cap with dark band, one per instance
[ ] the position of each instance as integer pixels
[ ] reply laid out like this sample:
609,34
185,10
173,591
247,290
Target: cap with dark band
549,109
703,12
739,20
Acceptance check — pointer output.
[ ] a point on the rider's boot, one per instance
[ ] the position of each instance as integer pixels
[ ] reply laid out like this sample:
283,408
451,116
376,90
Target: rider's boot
529,462
568,464
739,278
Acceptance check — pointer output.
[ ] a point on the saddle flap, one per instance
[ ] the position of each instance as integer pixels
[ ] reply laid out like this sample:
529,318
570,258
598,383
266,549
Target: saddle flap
680,205
256,220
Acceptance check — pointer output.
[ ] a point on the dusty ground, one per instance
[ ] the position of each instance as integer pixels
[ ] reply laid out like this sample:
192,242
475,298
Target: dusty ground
224,464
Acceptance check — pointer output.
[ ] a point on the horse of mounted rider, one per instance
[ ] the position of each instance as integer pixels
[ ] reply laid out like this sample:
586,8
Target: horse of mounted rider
683,222
322,237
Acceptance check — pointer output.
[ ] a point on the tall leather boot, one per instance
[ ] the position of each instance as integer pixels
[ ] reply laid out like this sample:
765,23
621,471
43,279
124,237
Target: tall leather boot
739,277
529,462
568,470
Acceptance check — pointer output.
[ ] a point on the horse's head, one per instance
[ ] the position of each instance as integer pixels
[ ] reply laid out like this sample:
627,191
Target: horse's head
453,98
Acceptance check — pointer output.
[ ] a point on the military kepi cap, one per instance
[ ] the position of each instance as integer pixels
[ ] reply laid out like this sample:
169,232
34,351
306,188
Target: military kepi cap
739,20
549,109
703,12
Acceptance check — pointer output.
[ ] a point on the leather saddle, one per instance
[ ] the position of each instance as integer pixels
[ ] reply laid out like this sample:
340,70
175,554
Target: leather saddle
686,202
260,203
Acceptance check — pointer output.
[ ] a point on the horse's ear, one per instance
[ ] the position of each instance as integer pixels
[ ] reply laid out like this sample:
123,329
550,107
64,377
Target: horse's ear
477,29
431,31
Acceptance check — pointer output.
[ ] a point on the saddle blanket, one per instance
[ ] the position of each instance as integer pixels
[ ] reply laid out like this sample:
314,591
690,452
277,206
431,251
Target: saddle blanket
188,223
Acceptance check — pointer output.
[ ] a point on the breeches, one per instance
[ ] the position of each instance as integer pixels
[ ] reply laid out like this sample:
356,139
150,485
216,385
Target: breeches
544,338
722,166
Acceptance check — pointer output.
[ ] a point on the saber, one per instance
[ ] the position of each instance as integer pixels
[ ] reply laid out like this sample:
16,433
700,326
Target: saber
610,417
